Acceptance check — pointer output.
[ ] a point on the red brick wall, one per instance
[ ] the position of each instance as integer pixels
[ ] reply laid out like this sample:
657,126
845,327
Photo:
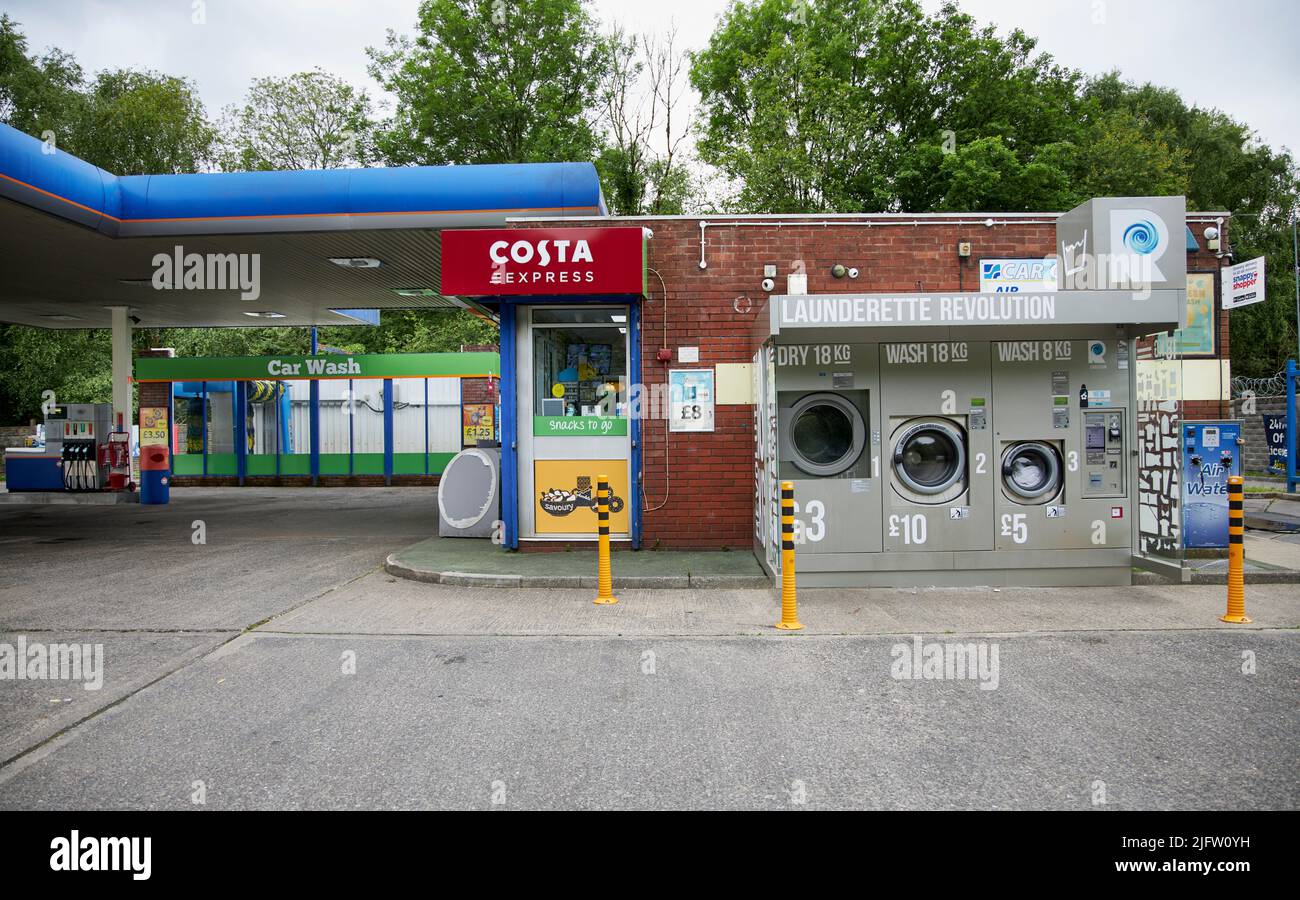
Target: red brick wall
704,499
152,393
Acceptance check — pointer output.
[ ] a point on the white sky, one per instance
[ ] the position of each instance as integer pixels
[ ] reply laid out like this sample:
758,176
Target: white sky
1240,57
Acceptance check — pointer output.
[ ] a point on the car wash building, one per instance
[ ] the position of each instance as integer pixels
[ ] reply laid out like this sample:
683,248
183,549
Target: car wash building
958,399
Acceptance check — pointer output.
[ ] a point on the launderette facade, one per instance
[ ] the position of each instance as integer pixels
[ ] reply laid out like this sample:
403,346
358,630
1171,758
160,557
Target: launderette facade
951,408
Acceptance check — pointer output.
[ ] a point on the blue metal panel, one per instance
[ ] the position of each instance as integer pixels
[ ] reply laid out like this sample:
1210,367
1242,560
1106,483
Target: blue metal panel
1292,421
241,429
634,380
388,431
363,316
81,192
74,189
509,428
207,414
29,472
313,417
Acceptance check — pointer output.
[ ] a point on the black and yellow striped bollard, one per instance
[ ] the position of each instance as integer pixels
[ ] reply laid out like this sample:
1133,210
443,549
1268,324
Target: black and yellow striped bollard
1236,552
789,603
604,579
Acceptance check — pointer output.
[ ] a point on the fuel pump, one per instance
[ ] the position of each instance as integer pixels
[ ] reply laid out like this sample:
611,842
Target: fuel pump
85,435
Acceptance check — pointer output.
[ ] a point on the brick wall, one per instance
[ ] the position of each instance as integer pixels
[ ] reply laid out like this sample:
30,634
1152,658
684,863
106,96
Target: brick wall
699,487
1256,449
152,393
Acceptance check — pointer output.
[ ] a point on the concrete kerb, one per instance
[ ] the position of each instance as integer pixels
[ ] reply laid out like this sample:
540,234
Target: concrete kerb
398,569
395,567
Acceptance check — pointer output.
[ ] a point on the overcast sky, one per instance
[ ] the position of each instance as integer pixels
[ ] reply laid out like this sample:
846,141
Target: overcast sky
1240,57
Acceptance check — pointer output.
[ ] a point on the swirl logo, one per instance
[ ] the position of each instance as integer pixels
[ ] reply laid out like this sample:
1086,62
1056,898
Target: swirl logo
1142,237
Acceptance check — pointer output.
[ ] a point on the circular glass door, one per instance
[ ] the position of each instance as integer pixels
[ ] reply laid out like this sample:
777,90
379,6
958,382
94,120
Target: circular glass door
827,434
1031,470
930,457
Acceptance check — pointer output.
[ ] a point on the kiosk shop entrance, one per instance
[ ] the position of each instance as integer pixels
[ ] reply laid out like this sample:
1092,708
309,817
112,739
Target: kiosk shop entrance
573,419
568,300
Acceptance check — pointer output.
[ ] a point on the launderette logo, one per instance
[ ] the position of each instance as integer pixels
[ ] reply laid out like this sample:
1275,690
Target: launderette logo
1143,239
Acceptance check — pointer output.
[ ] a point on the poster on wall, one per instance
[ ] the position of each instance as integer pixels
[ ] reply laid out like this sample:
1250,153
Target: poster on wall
153,426
1197,336
564,500
1275,439
477,423
690,399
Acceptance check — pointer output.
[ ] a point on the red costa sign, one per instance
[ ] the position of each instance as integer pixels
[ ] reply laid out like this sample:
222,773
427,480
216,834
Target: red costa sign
525,261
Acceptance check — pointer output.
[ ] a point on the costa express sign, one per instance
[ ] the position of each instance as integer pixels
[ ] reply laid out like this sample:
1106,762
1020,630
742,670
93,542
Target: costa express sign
524,261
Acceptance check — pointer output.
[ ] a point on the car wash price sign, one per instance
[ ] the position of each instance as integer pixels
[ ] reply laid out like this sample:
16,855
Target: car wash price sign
690,400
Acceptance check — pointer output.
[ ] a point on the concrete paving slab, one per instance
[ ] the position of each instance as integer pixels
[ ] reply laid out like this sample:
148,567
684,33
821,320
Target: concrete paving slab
32,711
381,604
481,563
265,550
1162,720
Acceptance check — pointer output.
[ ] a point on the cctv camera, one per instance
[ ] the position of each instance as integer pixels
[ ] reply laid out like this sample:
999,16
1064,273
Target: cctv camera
768,284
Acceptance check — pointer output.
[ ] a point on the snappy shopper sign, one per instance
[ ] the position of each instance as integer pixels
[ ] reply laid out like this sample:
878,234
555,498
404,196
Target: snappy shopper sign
532,261
1243,283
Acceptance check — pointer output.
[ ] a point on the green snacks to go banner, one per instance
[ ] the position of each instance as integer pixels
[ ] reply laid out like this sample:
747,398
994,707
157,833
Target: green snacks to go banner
579,426
361,365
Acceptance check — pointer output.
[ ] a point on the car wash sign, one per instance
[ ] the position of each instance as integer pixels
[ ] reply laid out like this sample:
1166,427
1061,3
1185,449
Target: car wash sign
543,261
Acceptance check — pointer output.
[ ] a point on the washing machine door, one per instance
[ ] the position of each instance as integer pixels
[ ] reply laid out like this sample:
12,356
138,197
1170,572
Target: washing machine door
930,457
1031,472
827,434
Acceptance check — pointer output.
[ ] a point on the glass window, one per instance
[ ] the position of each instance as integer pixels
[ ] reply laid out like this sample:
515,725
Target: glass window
577,369
579,317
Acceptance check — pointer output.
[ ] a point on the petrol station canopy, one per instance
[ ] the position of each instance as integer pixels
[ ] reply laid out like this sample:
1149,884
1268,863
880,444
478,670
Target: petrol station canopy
79,240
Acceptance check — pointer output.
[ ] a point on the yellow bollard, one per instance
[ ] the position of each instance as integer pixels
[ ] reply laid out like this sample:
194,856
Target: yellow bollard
604,580
1236,552
789,604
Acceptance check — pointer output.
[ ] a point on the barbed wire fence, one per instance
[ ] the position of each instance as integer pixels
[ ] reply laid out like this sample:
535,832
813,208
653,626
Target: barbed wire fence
1272,386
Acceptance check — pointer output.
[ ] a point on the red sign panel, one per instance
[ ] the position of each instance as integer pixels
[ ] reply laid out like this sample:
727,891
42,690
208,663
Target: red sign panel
531,261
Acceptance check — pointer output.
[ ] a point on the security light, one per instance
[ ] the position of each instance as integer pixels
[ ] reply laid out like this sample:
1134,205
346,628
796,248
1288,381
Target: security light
356,262
265,314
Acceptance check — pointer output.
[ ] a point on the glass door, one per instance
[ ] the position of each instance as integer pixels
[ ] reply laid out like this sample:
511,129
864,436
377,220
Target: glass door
573,420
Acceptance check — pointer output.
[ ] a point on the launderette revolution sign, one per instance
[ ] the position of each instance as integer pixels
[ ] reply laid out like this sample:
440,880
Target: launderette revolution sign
1061,308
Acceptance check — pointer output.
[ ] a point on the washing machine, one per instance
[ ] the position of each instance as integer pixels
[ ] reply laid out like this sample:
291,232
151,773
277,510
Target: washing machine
1060,428
1032,472
936,404
828,444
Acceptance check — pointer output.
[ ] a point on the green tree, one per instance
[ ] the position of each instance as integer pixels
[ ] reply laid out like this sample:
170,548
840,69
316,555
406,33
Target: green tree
310,120
143,123
642,167
38,95
1225,167
491,82
853,105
